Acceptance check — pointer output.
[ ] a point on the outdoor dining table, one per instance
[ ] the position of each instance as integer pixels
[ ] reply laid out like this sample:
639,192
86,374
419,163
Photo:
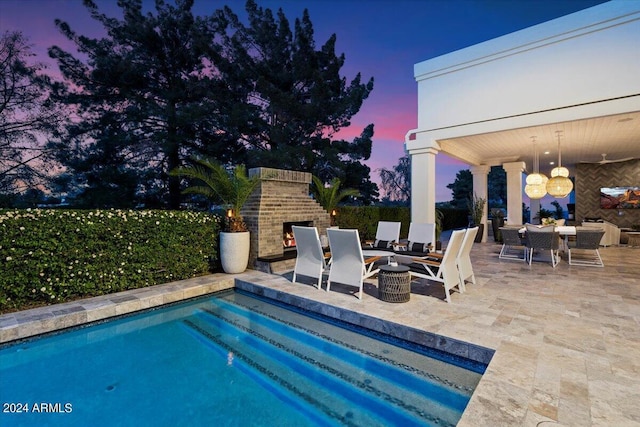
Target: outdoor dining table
563,230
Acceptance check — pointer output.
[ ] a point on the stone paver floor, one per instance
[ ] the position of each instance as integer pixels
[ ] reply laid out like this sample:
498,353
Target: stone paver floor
566,340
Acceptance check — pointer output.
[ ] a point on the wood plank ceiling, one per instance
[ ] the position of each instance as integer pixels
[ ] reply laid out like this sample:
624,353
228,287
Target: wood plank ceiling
584,140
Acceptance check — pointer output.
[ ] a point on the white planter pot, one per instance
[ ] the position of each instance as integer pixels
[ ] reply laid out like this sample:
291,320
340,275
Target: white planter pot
234,251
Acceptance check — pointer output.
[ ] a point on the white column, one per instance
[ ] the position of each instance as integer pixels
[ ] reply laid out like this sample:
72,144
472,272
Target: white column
480,189
514,191
423,182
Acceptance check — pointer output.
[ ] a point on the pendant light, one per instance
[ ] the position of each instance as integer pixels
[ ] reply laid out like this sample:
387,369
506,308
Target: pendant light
559,186
536,187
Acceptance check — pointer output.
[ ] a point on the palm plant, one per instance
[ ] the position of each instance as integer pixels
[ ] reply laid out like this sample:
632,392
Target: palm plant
231,188
330,196
476,208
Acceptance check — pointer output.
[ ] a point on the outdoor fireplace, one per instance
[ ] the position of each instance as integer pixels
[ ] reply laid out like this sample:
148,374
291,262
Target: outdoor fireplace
281,200
288,239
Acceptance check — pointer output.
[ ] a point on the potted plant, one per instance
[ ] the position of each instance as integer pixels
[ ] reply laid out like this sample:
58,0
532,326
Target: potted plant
497,221
231,188
544,216
476,211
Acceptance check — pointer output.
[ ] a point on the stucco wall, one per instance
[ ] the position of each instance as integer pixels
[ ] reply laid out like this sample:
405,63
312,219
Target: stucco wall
579,59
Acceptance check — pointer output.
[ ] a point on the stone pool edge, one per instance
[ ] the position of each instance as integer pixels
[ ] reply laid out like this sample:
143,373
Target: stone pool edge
36,321
442,343
41,320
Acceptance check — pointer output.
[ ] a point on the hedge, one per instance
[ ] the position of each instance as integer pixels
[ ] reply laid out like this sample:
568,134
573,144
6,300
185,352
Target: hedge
52,256
365,219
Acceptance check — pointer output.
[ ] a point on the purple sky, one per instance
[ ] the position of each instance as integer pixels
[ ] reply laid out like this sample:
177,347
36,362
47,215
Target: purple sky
380,38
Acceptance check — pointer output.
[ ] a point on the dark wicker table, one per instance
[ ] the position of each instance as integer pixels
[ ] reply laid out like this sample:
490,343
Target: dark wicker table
394,283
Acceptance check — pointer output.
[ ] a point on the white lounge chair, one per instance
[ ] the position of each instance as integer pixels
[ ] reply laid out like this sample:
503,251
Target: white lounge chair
387,234
420,242
444,270
465,268
310,260
348,265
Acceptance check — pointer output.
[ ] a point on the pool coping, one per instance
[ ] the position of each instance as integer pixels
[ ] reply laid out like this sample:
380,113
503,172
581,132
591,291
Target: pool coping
36,321
441,343
30,323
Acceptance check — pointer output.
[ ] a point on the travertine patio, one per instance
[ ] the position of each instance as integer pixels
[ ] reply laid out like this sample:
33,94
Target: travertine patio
567,340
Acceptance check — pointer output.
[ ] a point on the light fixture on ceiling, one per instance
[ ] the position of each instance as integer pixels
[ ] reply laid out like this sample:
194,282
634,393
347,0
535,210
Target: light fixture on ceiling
536,182
559,185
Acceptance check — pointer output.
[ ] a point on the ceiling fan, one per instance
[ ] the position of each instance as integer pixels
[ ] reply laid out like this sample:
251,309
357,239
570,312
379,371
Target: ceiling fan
605,160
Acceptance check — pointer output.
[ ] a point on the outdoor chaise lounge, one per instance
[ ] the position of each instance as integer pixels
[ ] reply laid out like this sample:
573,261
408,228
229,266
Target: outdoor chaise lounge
387,234
310,260
463,260
444,270
422,237
348,265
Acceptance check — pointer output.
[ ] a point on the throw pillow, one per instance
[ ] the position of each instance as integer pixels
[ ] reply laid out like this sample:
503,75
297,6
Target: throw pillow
418,247
382,244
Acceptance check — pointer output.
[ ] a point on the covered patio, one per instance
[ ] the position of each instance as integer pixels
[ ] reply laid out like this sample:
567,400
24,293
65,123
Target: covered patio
483,105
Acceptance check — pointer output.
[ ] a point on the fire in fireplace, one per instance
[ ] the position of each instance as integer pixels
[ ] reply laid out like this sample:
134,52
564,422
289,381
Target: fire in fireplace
288,241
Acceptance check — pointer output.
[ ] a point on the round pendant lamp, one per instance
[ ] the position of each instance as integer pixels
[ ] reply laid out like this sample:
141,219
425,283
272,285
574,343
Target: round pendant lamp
559,186
536,187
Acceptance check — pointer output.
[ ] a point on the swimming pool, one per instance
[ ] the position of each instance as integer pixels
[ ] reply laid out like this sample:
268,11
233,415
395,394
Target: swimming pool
232,359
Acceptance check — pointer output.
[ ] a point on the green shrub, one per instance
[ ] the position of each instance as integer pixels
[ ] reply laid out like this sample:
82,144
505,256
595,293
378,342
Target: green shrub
365,219
51,256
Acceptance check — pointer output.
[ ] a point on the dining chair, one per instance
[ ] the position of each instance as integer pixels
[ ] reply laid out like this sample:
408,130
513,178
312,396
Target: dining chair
543,238
511,242
587,240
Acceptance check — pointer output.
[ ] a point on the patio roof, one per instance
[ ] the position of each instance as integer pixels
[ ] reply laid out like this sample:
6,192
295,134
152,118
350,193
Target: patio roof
587,140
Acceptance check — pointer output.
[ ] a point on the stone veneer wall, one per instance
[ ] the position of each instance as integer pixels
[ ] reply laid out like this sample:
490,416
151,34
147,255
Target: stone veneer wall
282,196
589,178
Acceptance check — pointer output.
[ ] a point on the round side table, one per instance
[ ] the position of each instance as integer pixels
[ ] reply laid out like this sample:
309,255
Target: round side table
394,283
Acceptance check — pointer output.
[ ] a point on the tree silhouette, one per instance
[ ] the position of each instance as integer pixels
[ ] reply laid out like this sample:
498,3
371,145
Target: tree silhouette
27,113
154,91
299,100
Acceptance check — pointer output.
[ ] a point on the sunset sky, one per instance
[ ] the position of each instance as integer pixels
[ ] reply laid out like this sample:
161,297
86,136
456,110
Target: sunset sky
380,38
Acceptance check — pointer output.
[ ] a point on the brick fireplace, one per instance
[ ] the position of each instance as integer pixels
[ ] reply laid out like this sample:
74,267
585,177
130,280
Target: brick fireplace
282,197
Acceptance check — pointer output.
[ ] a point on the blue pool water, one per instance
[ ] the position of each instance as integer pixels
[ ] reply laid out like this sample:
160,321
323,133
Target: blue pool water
227,360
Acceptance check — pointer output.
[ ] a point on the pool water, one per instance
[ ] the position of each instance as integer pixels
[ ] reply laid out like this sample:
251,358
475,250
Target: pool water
227,360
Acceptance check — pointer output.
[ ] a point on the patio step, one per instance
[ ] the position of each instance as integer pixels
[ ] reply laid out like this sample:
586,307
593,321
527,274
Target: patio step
324,373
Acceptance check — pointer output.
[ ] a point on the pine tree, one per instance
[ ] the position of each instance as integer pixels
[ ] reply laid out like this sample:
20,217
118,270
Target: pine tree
299,100
151,93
